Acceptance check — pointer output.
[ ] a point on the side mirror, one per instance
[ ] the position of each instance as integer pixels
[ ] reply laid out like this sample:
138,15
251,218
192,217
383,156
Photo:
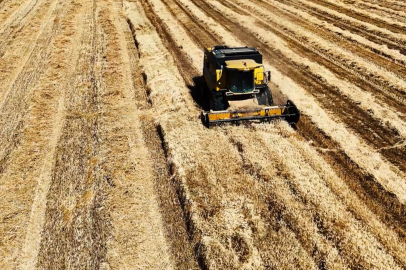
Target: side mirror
269,76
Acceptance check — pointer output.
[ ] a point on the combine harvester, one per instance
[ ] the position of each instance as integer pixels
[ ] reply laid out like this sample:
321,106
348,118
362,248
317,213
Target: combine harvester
237,88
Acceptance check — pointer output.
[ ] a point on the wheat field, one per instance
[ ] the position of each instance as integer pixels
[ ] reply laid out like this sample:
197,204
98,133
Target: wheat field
105,164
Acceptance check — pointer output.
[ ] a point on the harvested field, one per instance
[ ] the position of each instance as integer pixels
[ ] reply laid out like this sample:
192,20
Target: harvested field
105,164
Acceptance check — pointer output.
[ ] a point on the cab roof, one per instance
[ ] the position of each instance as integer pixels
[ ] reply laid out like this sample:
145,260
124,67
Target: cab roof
242,64
218,55
224,51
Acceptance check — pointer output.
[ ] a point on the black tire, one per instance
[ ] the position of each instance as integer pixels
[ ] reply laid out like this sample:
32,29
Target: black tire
218,102
265,97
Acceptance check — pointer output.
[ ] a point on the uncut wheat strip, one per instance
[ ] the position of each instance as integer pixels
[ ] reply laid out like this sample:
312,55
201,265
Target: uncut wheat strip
366,13
395,54
35,152
365,99
385,235
259,157
189,145
368,26
351,235
136,219
366,157
172,100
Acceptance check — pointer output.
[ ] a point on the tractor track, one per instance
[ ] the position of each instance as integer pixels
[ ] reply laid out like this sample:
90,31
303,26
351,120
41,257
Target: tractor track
330,97
65,52
382,204
359,29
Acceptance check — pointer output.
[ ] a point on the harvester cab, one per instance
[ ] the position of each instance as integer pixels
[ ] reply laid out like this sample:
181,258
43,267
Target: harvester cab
237,74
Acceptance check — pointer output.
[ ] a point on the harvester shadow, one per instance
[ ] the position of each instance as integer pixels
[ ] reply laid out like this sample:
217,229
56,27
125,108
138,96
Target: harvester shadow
197,91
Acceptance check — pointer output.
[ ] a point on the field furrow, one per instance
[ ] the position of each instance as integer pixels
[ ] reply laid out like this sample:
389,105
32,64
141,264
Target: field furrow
379,9
332,224
370,51
391,5
336,62
362,15
386,206
368,31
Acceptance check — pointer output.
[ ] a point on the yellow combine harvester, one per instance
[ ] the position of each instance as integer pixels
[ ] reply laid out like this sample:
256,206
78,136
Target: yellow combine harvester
234,75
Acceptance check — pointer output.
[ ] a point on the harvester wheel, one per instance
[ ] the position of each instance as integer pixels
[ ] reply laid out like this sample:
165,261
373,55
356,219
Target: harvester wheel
265,97
218,102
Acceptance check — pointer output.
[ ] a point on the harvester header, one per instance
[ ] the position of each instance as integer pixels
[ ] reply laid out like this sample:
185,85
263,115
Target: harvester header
288,112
